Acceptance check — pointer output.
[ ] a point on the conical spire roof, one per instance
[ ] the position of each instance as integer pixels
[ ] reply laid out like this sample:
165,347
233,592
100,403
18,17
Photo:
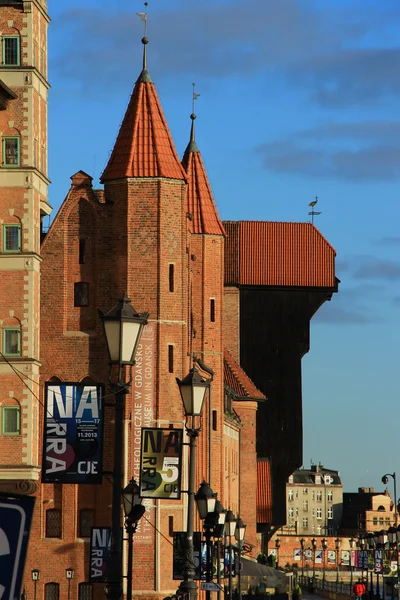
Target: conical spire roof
200,201
144,146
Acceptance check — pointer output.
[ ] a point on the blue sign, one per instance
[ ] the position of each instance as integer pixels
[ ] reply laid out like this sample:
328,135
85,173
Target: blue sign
73,433
15,524
363,559
100,539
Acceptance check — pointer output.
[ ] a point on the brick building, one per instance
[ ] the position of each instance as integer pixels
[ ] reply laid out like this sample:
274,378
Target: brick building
236,295
367,511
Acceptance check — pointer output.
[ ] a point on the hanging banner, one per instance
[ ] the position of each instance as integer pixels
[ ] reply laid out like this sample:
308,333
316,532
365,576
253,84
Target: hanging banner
161,463
179,554
297,554
73,433
100,538
353,558
378,561
363,559
15,524
345,554
318,557
331,557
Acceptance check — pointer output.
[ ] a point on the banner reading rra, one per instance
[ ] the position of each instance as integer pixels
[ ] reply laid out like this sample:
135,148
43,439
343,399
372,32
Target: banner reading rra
161,460
73,433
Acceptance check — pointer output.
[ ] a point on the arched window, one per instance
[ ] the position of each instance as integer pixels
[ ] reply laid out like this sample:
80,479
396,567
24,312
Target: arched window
11,420
381,508
51,590
53,523
85,591
86,522
11,341
81,293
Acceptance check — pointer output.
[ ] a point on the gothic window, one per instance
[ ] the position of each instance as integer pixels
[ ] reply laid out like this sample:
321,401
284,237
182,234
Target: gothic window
51,591
11,151
85,591
81,294
53,523
10,49
86,522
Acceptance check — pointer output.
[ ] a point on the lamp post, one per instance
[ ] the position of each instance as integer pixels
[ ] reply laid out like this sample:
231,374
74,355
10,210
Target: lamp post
214,522
123,327
352,543
239,535
371,547
69,573
324,544
314,546
277,546
134,511
337,546
193,390
377,547
230,528
35,573
302,557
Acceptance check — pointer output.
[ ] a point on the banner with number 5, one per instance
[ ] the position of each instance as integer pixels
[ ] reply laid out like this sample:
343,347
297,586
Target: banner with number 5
161,463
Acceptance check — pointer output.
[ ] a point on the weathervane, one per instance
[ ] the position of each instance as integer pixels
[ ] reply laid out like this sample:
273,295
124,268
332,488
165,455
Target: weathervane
313,212
194,97
143,17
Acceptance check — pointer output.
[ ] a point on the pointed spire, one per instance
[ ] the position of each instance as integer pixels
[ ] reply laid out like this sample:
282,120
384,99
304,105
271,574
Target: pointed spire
144,147
200,201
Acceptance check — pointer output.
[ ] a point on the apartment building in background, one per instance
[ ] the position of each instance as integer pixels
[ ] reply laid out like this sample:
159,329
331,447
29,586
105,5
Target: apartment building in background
314,502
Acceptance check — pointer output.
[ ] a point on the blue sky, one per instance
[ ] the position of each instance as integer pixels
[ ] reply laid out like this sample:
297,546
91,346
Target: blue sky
298,98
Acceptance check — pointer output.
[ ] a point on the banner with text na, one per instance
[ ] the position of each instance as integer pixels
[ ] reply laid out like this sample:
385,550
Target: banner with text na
161,463
73,433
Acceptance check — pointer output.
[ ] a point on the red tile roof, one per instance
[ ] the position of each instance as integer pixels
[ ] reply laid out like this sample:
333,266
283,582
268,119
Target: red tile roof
278,254
237,380
200,201
264,492
144,147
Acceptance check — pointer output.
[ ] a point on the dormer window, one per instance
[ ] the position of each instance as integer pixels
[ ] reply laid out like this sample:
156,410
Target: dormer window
318,479
327,479
10,50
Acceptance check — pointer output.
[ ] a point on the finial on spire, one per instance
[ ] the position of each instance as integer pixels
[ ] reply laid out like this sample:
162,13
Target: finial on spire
193,115
145,40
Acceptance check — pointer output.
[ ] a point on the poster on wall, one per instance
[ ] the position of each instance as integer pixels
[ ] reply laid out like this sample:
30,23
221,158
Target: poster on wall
15,525
308,554
331,557
73,433
345,558
297,554
161,463
318,557
100,538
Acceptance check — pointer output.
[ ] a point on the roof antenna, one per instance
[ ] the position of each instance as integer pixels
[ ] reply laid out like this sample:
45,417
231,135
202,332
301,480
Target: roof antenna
143,18
193,115
313,212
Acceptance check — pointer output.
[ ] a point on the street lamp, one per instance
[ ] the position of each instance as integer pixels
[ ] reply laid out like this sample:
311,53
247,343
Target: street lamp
230,529
337,546
213,524
324,544
239,535
193,390
205,500
277,546
69,573
123,327
134,511
302,558
314,545
35,573
352,543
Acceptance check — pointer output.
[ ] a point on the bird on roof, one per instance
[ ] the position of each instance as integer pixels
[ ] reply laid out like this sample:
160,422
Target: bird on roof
314,202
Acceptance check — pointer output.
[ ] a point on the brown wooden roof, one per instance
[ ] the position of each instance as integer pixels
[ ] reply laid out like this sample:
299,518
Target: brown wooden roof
278,254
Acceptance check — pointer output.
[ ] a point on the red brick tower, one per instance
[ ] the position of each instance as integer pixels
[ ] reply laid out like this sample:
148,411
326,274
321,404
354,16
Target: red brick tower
205,309
23,203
